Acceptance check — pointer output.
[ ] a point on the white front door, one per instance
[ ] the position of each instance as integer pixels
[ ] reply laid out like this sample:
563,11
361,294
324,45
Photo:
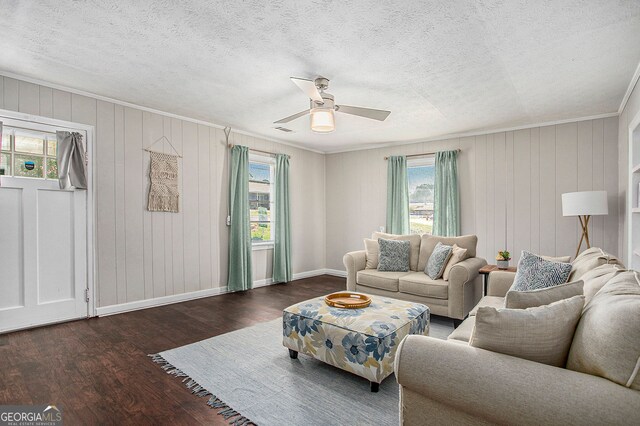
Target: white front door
43,253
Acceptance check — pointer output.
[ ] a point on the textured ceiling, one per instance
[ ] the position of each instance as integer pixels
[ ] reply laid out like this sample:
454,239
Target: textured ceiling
441,67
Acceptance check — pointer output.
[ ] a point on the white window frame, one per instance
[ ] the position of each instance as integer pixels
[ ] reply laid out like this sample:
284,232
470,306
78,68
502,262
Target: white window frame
427,160
271,162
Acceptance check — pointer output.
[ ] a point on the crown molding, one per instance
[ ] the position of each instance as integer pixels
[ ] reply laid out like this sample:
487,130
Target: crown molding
483,132
442,137
148,109
632,85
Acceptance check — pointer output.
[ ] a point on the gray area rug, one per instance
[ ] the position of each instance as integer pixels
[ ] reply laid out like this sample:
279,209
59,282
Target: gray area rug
248,376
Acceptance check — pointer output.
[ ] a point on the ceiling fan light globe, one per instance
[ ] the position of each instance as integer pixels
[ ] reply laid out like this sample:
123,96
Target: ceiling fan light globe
322,120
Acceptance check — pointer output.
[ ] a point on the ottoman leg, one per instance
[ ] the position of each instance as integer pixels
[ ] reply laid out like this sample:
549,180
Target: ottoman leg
375,386
293,354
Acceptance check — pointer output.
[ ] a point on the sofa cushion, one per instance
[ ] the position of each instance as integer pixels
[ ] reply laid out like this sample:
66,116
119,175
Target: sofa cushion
492,301
464,331
414,241
607,339
457,255
543,296
596,278
429,242
590,259
372,252
542,334
394,255
535,272
377,279
438,261
420,284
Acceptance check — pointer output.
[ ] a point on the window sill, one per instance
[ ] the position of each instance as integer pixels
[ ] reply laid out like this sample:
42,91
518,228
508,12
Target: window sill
262,246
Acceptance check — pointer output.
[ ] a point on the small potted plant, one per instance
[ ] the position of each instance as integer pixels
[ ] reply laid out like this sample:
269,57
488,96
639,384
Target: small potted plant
502,259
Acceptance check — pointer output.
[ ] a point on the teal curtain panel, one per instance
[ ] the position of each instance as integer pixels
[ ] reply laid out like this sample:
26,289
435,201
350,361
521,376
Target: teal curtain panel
282,247
446,214
240,269
397,195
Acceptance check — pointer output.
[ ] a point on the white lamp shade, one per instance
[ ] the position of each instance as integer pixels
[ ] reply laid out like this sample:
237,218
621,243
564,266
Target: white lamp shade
322,120
585,203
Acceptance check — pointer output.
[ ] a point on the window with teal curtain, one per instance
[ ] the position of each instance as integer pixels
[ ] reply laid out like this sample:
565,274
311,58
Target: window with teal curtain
397,195
282,245
240,268
261,199
422,174
446,212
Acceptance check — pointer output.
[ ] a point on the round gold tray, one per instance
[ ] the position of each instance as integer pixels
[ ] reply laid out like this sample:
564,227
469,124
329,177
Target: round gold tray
347,300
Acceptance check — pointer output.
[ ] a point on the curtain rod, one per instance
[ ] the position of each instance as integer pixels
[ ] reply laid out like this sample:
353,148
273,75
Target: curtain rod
424,154
273,154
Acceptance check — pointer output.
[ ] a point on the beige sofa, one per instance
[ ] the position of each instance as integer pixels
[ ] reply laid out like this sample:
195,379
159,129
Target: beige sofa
453,298
450,382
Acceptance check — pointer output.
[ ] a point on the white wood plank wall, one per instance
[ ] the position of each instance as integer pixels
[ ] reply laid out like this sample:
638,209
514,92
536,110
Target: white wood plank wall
522,172
337,199
143,255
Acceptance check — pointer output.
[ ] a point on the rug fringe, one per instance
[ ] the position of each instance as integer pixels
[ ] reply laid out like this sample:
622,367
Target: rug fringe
232,416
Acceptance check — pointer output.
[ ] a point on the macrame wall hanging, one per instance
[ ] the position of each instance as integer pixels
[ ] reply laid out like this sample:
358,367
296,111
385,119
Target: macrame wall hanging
163,175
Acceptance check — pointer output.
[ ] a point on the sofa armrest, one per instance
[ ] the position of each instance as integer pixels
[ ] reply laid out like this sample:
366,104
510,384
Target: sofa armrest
499,283
463,280
354,261
503,389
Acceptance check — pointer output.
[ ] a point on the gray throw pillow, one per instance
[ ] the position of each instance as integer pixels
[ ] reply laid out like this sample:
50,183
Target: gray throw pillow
438,261
535,272
394,255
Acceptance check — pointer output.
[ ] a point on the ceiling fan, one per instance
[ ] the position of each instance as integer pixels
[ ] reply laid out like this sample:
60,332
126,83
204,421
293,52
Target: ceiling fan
322,106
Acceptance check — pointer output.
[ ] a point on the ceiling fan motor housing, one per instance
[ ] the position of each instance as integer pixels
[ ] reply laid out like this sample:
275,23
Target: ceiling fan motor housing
328,101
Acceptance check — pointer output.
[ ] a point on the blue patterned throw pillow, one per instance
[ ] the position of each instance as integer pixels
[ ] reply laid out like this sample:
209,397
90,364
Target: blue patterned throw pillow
535,272
394,255
438,260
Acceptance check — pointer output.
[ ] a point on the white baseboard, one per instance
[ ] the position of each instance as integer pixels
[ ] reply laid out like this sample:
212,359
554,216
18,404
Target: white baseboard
336,272
183,297
262,283
158,301
309,274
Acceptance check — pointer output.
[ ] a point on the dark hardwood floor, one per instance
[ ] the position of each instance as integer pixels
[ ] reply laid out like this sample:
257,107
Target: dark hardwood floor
98,369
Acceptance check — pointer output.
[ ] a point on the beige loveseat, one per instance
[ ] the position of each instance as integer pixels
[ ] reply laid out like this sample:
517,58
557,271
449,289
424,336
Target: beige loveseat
450,382
453,298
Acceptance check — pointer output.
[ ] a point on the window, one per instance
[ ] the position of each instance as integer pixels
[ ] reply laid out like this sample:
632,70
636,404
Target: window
261,198
28,154
421,173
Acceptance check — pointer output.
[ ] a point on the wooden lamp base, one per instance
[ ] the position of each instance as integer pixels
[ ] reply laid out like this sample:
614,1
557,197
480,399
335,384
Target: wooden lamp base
584,224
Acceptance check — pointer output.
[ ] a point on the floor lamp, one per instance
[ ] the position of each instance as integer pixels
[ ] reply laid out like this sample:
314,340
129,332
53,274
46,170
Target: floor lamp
584,204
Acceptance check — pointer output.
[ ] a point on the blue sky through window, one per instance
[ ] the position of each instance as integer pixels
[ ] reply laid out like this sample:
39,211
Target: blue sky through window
419,175
259,172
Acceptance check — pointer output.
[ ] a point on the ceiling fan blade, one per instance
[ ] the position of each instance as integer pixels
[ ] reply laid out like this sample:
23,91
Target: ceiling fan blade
292,117
308,87
375,114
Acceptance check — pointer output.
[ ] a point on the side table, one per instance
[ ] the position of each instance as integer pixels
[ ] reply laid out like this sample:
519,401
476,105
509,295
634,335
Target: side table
487,269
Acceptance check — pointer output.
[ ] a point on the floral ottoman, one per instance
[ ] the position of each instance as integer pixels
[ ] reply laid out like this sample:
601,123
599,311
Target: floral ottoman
361,341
